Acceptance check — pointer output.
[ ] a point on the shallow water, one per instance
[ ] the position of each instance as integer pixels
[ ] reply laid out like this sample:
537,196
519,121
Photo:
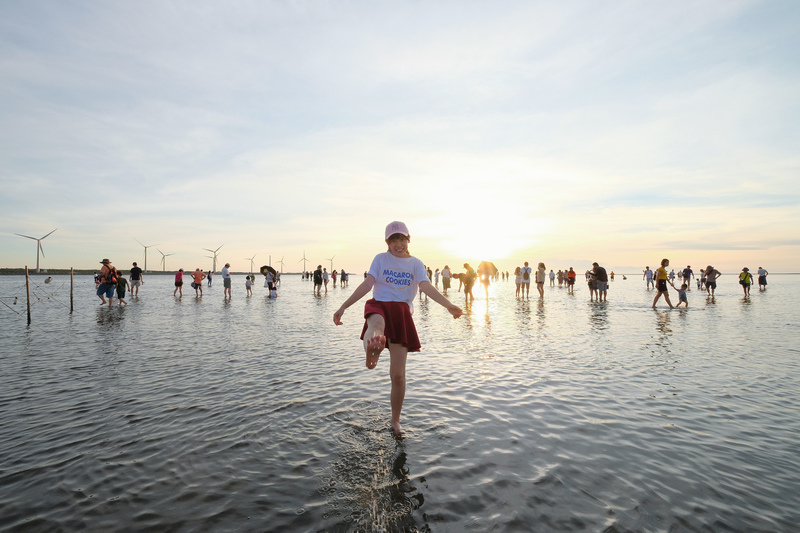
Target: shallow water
258,415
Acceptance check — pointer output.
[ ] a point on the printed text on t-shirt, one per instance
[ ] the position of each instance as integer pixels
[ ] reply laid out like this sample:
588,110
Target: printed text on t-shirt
398,279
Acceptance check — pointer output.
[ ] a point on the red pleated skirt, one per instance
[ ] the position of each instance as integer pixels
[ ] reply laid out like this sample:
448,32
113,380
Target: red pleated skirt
400,328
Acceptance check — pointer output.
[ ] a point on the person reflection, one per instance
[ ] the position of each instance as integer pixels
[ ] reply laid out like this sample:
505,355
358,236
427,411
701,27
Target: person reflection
405,497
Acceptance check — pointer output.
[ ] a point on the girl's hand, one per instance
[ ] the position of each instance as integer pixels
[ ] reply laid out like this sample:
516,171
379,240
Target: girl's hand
455,311
337,317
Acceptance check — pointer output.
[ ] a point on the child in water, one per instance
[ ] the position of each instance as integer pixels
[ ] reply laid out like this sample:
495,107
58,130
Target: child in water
248,284
394,278
122,286
681,294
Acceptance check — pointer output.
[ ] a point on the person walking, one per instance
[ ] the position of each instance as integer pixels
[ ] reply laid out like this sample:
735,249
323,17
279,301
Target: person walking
178,283
648,275
446,276
108,282
688,273
571,275
136,279
541,272
526,279
198,276
746,280
318,280
661,283
712,274
122,284
469,280
602,281
762,278
226,281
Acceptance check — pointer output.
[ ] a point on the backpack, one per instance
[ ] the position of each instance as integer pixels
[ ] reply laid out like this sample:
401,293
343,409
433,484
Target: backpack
317,277
111,276
526,275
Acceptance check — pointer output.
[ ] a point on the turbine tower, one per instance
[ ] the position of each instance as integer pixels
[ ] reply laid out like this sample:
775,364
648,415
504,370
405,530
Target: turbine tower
164,260
38,246
304,260
251,262
145,253
214,257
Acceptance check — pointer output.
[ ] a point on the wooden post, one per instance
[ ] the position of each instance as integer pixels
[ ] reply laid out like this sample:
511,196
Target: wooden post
71,278
28,290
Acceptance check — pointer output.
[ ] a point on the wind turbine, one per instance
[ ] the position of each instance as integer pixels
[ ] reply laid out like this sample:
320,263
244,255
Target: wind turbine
304,260
331,260
281,263
214,265
145,252
39,246
251,262
164,260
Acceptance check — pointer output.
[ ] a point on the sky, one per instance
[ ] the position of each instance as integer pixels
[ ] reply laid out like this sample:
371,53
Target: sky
561,132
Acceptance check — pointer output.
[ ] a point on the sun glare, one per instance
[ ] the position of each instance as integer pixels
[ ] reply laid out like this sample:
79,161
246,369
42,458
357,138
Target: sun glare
484,246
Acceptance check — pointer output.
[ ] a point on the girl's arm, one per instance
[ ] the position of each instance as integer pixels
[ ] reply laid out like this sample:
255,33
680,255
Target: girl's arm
359,293
439,298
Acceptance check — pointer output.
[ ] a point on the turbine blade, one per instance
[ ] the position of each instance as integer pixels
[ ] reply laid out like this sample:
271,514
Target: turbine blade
40,248
48,234
26,236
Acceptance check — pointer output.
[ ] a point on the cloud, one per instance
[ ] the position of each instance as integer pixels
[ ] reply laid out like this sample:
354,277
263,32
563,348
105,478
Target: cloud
603,128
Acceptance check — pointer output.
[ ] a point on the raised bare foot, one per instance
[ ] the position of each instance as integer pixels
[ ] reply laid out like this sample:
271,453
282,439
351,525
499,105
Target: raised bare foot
375,346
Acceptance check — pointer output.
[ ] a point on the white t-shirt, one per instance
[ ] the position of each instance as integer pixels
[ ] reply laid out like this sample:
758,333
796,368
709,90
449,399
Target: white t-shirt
446,273
522,274
225,273
540,274
397,278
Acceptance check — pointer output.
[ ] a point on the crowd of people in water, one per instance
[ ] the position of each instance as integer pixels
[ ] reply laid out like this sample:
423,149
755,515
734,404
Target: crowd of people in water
111,282
395,278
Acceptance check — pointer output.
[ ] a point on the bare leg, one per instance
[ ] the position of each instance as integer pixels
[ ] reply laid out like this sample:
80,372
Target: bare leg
374,340
397,372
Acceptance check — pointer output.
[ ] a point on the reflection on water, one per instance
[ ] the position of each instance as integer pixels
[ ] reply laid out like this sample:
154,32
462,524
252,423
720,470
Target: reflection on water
554,414
598,316
369,488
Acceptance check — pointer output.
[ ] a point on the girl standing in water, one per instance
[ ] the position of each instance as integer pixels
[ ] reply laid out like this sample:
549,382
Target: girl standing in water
394,277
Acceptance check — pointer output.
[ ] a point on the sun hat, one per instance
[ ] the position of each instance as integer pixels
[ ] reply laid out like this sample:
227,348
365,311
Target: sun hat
396,227
104,261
